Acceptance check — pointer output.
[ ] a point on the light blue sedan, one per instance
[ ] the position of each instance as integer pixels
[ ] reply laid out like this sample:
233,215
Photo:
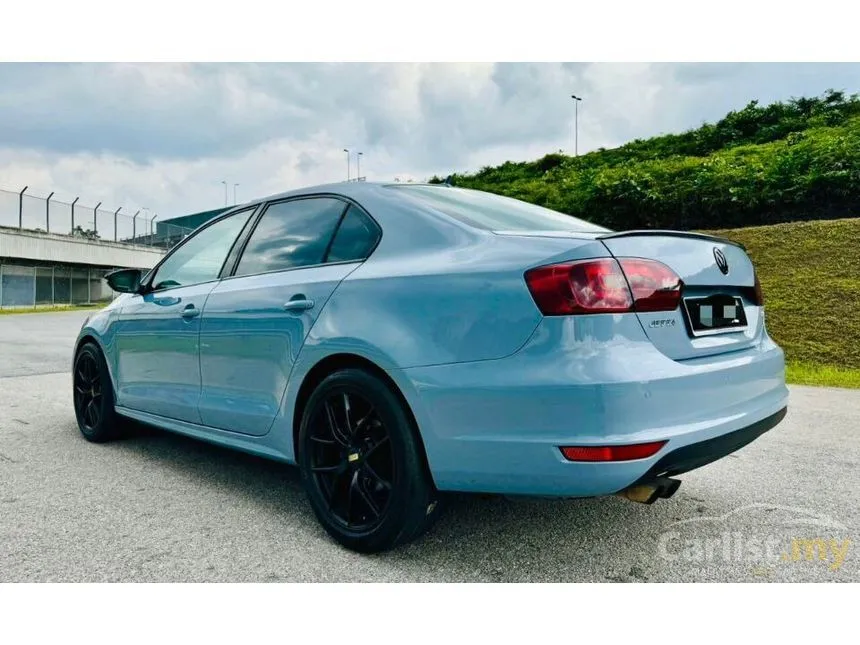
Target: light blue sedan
401,340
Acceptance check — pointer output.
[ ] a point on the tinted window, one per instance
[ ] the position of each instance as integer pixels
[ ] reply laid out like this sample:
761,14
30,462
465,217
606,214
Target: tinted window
494,212
291,234
200,258
355,238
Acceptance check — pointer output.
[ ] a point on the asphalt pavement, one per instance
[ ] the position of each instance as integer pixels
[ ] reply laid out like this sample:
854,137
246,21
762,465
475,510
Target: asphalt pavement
159,507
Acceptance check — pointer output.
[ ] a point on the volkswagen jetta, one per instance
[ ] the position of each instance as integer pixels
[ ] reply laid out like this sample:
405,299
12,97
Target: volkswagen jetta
397,341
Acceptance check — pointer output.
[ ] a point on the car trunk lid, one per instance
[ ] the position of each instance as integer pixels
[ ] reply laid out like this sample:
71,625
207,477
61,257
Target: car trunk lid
718,310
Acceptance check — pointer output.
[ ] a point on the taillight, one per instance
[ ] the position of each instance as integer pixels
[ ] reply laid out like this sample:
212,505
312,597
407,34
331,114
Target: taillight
655,286
759,296
601,286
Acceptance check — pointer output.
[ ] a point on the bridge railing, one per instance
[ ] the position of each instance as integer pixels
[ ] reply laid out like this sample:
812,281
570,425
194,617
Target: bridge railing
26,211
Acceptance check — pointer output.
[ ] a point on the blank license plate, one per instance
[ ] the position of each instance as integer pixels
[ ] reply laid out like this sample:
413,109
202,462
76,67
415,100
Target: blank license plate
718,313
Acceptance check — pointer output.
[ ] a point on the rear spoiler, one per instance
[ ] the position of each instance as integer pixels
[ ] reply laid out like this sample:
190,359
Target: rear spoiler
689,234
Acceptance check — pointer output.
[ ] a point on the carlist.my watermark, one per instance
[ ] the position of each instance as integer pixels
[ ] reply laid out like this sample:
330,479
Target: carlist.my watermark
757,534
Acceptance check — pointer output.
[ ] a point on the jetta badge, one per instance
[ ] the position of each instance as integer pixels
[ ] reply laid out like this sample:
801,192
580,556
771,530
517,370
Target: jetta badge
722,263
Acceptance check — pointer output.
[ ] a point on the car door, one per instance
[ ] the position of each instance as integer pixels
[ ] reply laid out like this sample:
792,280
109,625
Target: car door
157,339
255,322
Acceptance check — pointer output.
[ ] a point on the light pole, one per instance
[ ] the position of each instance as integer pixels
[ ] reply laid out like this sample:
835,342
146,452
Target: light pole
234,193
346,150
576,100
358,161
225,192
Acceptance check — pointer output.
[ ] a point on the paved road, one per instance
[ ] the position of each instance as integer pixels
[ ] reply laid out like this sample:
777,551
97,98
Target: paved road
159,507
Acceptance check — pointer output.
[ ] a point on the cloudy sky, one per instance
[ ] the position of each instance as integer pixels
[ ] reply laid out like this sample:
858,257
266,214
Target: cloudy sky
165,136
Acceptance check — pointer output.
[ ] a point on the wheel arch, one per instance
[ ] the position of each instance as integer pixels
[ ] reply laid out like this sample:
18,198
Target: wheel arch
333,363
88,336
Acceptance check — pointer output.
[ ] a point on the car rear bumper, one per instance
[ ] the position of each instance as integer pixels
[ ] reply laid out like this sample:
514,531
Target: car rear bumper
695,455
497,426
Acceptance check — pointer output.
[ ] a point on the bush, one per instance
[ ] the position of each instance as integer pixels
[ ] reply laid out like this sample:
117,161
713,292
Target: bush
798,160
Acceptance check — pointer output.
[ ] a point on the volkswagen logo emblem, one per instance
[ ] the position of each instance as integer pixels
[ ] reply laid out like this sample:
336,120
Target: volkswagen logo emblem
722,263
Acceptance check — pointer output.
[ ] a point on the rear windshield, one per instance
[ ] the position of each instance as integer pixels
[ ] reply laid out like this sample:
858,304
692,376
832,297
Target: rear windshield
494,212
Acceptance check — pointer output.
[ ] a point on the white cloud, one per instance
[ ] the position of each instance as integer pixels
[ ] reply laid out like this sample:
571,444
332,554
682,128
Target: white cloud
164,136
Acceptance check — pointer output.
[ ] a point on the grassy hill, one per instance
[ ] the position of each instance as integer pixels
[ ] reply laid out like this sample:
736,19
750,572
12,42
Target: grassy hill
810,275
788,161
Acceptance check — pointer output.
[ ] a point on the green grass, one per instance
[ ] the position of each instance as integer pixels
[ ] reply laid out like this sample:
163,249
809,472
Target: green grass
810,275
805,374
40,310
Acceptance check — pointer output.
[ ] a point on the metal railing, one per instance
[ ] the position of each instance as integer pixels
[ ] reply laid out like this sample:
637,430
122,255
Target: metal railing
25,211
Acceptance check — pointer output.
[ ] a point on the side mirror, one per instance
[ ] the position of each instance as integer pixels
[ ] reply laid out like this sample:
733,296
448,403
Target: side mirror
124,280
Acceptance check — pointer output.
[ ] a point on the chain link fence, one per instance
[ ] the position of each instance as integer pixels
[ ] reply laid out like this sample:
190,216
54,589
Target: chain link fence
25,211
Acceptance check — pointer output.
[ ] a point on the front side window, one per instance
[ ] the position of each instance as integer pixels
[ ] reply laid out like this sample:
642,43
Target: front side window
200,258
291,234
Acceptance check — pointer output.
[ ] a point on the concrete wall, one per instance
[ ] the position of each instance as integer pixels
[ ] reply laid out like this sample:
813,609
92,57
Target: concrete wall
64,249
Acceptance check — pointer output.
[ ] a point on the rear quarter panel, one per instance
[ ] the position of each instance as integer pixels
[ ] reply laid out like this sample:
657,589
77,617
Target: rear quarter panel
465,303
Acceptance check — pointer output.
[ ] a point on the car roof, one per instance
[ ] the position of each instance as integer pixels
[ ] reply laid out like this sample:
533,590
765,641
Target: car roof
353,189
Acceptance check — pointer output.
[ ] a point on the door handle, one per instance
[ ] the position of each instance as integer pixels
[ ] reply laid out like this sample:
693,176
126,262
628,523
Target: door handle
190,312
298,304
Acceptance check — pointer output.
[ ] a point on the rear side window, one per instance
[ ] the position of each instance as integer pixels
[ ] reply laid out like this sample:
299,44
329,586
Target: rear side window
355,238
291,234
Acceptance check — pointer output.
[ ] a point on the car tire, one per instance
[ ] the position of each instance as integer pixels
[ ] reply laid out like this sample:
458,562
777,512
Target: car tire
92,395
363,465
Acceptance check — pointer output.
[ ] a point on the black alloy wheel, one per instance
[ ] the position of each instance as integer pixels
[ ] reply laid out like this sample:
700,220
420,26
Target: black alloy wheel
88,391
351,460
363,465
93,395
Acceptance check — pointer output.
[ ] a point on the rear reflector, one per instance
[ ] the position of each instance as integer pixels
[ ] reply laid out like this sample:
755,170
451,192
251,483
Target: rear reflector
612,453
603,286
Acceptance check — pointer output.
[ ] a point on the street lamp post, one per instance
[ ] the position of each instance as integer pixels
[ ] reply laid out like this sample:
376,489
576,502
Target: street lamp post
234,193
346,150
226,199
576,100
358,161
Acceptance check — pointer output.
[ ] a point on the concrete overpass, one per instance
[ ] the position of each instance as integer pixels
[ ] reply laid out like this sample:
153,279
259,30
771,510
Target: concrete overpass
65,249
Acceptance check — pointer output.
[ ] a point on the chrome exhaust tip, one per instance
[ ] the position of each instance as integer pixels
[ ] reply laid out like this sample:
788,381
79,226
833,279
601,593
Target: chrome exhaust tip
650,492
